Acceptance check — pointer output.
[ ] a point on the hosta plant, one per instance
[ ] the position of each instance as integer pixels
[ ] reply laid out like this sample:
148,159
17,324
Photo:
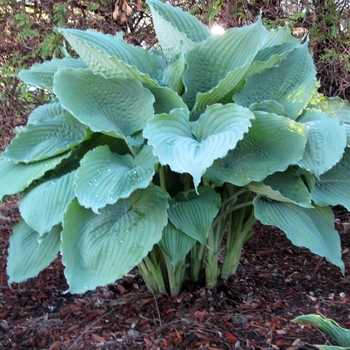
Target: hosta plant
165,159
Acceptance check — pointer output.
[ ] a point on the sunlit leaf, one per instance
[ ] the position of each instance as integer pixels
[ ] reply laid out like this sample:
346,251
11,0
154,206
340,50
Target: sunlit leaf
291,84
272,144
216,65
176,30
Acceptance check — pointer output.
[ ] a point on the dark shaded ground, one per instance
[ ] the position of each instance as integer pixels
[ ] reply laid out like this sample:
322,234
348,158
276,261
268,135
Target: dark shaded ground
275,283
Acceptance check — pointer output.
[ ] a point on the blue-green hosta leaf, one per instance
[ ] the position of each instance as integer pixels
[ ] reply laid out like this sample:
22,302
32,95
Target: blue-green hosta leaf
176,29
310,228
17,177
333,106
116,145
270,57
339,334
165,99
30,253
216,65
192,148
45,112
347,129
44,205
267,57
111,55
193,212
176,244
288,184
337,107
267,191
279,36
269,106
183,21
99,248
46,139
41,75
272,144
291,83
172,75
333,187
104,177
326,140
118,106
293,184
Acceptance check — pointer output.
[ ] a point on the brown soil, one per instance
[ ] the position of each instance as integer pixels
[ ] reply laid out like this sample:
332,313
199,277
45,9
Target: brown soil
253,310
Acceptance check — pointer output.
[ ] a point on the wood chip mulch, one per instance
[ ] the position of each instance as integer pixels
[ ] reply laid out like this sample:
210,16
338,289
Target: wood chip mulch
275,282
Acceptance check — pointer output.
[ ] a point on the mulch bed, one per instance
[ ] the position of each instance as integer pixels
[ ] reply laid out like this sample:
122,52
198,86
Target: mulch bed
275,282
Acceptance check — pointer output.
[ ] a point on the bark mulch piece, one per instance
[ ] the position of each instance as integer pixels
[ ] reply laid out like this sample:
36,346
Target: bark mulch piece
275,282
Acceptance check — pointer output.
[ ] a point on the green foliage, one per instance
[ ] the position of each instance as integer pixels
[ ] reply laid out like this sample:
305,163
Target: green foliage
339,334
149,157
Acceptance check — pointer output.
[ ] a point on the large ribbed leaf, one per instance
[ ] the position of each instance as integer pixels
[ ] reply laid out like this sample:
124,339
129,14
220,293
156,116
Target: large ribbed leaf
291,84
44,205
41,75
172,75
279,36
117,106
17,177
111,55
326,140
270,57
46,139
104,177
269,106
288,185
277,47
337,107
99,248
216,65
333,187
192,148
272,144
175,29
193,213
175,243
166,99
310,228
333,106
30,253
45,112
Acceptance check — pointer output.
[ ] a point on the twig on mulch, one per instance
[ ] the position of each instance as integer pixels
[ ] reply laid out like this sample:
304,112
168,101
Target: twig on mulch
88,327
